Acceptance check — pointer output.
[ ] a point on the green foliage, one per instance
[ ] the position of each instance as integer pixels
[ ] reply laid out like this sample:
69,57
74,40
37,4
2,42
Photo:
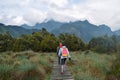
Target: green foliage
90,66
39,41
104,44
5,71
26,65
5,42
115,69
5,68
49,44
72,42
46,42
18,45
85,76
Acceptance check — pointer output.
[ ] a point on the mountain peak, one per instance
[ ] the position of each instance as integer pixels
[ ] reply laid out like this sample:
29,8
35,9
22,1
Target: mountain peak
83,29
49,20
86,21
104,26
1,24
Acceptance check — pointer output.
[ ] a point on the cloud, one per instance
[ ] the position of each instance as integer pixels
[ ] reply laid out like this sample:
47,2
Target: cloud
17,12
17,20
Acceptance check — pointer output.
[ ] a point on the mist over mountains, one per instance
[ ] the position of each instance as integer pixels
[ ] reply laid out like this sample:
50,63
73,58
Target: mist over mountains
82,29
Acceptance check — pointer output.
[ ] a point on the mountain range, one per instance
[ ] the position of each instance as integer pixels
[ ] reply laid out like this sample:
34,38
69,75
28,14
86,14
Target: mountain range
83,29
117,32
15,31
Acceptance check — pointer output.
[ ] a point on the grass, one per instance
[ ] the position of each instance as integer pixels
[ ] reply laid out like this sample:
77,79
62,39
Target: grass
90,66
27,65
114,74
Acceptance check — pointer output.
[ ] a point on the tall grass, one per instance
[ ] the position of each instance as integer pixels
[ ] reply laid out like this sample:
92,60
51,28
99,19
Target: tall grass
5,71
114,74
90,66
26,65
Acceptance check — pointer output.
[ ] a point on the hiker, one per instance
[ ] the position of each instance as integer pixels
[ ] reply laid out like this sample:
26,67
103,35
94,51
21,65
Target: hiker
60,46
64,54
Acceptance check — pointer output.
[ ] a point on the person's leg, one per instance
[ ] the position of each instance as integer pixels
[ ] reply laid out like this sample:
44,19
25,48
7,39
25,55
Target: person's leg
58,60
62,63
62,66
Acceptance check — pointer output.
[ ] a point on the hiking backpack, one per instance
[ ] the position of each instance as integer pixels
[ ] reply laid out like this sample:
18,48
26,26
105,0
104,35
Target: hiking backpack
64,52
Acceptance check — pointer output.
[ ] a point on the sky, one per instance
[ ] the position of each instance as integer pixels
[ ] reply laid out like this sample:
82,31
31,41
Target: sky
18,12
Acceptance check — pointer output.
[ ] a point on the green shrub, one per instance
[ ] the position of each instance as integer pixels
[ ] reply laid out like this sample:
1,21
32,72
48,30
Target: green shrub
5,71
90,66
46,64
86,76
115,69
26,66
31,78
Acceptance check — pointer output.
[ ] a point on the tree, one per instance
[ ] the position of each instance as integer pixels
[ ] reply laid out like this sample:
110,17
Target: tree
115,68
5,42
49,43
103,44
19,45
72,42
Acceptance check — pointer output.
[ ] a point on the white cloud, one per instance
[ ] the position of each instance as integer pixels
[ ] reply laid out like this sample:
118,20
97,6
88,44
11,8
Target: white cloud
1,17
18,20
34,16
31,11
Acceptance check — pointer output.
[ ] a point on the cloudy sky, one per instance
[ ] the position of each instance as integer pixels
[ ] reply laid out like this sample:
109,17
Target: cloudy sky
17,12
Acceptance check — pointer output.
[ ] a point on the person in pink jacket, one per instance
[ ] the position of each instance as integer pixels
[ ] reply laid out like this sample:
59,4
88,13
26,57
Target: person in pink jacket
63,54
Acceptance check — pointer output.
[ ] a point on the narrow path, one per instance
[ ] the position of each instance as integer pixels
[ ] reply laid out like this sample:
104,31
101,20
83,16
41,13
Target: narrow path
56,72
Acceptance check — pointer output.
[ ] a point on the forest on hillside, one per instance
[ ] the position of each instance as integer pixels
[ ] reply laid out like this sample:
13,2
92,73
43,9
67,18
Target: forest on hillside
44,41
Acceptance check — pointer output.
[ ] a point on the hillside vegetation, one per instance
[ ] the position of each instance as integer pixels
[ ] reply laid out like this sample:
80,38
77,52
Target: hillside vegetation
39,41
85,65
15,31
88,65
101,60
82,29
26,65
46,42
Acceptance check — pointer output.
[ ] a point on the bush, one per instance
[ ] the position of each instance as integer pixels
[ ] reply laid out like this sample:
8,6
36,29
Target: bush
5,71
90,66
104,44
25,66
115,70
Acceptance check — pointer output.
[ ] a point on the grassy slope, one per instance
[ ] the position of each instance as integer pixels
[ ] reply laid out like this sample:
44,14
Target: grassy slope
26,65
90,66
37,66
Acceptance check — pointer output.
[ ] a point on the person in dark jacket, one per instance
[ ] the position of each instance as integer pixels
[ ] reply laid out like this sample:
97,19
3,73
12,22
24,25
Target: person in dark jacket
60,46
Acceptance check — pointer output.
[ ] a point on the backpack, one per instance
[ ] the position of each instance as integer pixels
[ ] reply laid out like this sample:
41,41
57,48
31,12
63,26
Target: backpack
64,52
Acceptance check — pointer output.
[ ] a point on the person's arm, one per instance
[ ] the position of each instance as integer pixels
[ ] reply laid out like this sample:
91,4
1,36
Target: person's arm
57,50
59,53
68,53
